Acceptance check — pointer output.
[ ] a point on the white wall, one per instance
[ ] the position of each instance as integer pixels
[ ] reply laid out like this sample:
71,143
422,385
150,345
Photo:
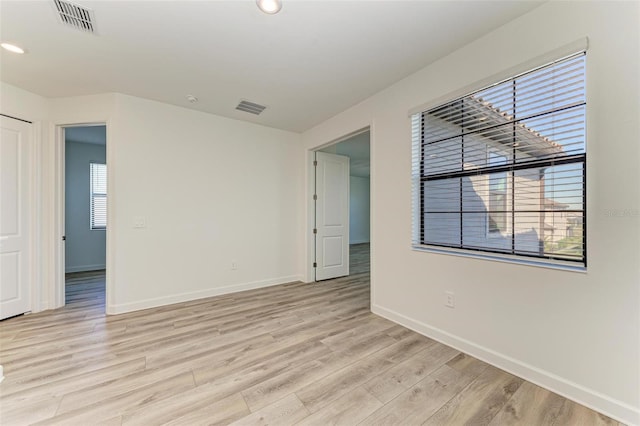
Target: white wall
575,333
85,249
358,210
213,191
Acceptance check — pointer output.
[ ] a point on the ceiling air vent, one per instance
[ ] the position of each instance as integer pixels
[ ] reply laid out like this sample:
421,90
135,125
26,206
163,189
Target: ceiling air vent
250,107
75,16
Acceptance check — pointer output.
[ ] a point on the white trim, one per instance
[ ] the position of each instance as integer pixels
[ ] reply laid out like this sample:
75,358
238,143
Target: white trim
110,250
84,268
309,272
58,295
604,404
506,258
580,45
35,246
194,295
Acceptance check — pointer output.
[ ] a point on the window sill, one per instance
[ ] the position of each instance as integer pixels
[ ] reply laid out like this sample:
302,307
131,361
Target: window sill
549,264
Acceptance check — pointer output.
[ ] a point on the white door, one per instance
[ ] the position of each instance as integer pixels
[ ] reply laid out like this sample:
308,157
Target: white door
15,217
332,216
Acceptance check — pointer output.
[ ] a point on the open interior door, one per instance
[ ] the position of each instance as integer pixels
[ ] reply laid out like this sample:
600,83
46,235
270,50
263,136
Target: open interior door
332,216
15,217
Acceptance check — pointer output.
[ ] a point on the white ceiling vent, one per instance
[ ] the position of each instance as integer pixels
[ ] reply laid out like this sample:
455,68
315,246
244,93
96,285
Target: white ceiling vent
75,16
250,107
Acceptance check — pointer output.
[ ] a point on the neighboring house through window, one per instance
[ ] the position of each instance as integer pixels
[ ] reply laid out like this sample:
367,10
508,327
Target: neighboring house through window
497,211
502,170
98,202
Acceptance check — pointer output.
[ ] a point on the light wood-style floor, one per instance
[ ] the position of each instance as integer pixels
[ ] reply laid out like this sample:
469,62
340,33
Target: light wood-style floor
289,354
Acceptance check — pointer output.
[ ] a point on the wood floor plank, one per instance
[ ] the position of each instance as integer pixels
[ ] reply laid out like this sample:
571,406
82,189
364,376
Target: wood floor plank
225,347
416,404
347,411
531,404
64,369
479,402
405,348
194,405
336,385
468,365
77,411
575,414
39,407
145,382
291,380
221,412
11,395
260,366
285,412
397,379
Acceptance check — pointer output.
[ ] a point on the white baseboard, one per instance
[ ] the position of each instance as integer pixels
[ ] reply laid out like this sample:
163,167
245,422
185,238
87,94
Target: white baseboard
185,297
597,401
83,268
352,242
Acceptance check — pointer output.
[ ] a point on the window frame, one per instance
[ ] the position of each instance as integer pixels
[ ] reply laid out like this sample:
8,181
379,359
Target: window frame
542,258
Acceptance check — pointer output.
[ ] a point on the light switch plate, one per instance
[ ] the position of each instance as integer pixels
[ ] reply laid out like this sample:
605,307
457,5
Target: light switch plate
139,222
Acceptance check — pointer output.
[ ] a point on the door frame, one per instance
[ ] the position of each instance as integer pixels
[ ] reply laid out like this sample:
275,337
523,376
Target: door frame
309,270
59,221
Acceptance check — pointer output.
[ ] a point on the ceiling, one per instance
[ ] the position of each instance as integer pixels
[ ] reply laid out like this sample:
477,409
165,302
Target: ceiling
307,63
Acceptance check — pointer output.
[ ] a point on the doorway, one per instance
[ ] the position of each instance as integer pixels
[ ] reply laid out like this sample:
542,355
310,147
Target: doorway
85,213
356,148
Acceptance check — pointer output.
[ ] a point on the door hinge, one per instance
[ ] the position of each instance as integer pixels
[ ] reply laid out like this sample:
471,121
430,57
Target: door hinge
315,163
315,265
64,238
315,197
315,231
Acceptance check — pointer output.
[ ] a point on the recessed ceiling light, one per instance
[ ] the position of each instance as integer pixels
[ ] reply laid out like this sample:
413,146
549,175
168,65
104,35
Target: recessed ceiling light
270,6
12,48
192,99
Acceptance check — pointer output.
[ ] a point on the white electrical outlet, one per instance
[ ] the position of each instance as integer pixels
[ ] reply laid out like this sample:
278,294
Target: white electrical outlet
450,299
234,265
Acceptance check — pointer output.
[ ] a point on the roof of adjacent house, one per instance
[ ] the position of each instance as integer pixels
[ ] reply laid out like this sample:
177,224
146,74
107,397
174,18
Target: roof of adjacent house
491,123
481,117
551,204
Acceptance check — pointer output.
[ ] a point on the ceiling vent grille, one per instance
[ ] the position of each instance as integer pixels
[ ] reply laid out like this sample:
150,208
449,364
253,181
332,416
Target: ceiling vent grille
250,107
75,16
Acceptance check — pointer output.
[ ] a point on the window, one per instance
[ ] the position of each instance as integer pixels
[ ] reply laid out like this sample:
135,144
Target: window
502,170
98,185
